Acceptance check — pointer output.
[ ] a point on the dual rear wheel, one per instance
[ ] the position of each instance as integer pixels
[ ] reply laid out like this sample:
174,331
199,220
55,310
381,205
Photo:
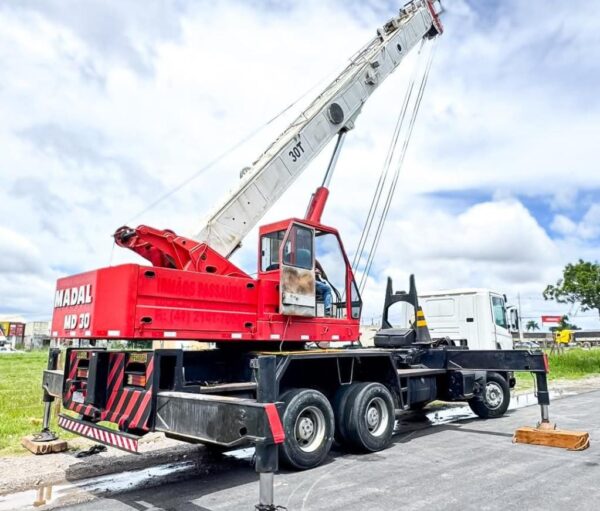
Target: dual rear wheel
362,417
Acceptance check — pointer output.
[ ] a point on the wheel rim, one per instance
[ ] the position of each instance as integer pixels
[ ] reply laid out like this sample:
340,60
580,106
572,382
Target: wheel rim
494,395
310,429
377,416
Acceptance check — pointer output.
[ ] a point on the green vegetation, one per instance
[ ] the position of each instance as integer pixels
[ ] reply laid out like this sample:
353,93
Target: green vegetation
573,364
580,283
564,324
21,405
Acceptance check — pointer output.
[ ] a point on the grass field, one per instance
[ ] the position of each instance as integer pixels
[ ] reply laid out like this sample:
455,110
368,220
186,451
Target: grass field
575,363
570,365
21,405
21,378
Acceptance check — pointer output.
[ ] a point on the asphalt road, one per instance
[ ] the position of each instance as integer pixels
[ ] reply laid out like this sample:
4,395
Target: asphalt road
462,465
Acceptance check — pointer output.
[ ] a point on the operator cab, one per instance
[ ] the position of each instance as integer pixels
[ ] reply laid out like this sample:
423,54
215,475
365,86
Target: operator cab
314,274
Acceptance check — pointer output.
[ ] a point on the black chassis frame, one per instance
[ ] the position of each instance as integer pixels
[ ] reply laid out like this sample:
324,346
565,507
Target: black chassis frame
446,373
206,400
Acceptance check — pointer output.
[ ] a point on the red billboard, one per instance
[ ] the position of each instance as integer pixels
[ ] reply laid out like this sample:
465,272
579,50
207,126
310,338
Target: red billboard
551,319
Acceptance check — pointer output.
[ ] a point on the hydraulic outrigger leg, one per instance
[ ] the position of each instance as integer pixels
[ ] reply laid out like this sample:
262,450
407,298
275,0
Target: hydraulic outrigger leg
46,441
266,453
546,432
46,435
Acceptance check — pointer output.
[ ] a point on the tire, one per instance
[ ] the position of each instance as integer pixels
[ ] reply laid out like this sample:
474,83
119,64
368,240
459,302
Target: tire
339,406
369,417
495,399
309,426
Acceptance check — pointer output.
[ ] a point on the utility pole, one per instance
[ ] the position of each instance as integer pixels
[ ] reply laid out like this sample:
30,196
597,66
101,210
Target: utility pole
520,317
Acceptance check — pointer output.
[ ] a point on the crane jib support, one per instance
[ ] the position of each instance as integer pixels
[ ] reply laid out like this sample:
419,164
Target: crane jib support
333,111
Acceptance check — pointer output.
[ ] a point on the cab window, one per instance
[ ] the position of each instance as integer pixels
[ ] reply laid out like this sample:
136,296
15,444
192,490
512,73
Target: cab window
332,278
298,249
356,301
499,312
269,250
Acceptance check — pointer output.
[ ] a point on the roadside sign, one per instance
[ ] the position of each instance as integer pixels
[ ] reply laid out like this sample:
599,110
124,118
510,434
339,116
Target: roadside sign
551,319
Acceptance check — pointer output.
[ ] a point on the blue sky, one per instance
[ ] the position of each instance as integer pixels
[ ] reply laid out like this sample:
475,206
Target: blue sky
106,108
544,208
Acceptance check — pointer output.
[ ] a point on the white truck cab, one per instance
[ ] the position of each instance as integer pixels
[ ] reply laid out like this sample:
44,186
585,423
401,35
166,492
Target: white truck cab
478,316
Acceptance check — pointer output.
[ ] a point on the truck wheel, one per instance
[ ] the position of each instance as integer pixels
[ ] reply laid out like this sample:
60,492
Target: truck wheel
370,417
494,400
339,406
309,426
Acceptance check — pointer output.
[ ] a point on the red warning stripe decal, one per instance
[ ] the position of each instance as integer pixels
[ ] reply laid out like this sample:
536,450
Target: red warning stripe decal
72,364
113,439
275,423
115,380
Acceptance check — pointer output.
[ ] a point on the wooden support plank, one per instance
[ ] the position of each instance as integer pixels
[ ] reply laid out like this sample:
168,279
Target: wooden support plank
572,440
43,447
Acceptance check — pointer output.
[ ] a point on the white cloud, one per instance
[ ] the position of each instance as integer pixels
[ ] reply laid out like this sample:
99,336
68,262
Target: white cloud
497,245
19,255
563,225
564,198
588,228
26,283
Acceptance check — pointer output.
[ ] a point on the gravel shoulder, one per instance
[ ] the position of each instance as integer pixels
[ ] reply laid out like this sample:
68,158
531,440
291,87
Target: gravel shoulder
31,471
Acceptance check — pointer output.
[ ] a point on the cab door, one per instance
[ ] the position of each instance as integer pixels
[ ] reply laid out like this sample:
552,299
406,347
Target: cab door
297,275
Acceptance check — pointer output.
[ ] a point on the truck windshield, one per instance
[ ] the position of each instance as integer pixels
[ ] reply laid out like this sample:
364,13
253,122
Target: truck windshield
499,311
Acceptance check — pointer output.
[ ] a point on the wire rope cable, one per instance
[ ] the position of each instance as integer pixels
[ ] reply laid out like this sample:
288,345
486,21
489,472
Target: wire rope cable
390,194
373,207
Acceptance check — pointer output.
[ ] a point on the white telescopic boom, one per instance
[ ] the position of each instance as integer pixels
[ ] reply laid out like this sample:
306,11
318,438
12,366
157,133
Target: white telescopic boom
334,110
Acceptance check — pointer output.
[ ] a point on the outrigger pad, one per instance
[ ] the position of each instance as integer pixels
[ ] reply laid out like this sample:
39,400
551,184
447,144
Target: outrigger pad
36,447
546,434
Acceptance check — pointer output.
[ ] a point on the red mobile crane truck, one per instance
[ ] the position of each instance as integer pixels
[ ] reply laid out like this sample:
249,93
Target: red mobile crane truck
261,384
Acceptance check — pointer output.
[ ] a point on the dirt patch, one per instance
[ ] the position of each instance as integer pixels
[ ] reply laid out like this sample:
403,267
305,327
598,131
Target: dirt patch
578,386
25,472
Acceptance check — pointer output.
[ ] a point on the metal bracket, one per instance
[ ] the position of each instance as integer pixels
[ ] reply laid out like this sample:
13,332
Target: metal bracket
340,372
45,436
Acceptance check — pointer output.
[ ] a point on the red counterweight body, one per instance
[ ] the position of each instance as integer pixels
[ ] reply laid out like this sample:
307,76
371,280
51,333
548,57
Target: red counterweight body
132,301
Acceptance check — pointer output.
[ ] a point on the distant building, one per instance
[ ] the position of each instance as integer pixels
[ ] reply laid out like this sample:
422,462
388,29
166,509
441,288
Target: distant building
37,334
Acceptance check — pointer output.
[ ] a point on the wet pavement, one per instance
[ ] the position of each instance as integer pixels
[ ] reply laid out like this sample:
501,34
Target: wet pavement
443,459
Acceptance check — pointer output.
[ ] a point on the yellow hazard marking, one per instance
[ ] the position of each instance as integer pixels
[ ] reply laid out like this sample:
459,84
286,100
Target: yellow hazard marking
420,314
421,322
